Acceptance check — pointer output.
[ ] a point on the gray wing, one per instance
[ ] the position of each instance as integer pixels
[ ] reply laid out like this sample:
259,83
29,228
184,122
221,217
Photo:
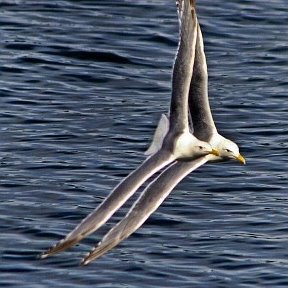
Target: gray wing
148,202
114,201
200,113
183,68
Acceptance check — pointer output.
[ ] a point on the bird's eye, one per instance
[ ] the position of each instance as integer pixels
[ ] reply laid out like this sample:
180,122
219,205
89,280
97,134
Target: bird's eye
201,147
227,150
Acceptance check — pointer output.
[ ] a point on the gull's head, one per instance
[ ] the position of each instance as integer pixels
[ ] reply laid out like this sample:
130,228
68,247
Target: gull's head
203,148
189,147
228,149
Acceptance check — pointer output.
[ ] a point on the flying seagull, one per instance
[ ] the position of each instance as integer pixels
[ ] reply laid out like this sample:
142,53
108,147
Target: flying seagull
177,144
203,127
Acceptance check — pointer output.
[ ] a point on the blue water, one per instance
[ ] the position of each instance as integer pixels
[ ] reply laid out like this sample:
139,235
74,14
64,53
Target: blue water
82,86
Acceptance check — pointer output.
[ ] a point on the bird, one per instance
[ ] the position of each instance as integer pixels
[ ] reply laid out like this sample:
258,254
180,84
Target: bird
203,127
178,143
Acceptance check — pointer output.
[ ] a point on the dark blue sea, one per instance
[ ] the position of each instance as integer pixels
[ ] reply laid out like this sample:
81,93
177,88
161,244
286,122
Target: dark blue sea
82,86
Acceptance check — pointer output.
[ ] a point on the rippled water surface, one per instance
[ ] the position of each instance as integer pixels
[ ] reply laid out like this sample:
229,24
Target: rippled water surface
83,84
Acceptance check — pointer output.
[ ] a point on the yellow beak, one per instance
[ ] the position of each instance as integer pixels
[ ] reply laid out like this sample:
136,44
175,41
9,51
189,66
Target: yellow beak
241,159
215,152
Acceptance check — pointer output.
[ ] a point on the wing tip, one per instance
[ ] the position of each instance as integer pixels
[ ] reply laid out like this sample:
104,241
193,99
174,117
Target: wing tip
98,251
49,252
89,257
84,262
43,255
59,247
